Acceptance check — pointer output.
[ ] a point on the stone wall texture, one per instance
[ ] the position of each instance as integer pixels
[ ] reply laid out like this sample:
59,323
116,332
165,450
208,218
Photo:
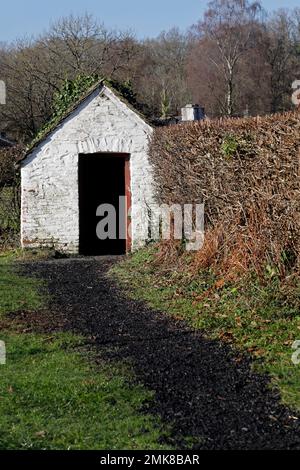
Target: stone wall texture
50,195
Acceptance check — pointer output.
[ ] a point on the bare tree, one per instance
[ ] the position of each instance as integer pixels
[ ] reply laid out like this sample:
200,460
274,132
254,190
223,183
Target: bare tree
230,26
83,45
281,52
34,70
162,78
29,87
234,61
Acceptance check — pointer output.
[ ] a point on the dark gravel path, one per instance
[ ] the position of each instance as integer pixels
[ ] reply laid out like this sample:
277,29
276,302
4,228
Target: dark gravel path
200,387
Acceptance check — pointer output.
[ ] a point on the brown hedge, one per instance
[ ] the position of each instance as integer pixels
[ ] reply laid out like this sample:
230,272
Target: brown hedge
246,171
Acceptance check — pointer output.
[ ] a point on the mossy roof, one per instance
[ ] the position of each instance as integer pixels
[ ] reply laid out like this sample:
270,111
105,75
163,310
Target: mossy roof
55,122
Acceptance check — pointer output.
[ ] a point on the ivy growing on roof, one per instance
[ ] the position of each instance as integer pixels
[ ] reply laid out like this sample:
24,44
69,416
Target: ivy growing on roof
70,94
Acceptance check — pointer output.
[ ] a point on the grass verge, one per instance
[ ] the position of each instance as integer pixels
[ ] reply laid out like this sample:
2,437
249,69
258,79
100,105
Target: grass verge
261,319
53,396
16,292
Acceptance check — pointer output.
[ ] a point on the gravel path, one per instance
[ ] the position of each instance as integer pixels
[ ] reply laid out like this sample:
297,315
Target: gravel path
202,389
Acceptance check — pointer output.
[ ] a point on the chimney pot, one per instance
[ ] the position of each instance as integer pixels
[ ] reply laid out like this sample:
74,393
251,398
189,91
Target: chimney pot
192,112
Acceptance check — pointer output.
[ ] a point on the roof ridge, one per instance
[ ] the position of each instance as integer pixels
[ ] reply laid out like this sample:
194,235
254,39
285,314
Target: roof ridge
55,121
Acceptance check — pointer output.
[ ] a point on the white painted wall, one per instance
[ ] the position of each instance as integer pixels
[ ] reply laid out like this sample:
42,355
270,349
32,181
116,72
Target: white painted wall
50,199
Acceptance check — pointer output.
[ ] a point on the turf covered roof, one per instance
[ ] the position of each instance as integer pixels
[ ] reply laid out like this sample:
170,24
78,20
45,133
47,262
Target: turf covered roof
52,125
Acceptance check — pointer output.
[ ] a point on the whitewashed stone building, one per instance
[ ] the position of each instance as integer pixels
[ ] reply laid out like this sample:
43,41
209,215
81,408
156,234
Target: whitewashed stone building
95,154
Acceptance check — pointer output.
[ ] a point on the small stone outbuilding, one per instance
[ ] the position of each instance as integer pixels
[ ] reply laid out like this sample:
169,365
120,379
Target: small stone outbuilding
95,154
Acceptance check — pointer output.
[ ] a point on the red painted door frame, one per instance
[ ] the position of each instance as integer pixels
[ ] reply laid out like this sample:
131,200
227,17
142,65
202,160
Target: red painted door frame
126,157
128,199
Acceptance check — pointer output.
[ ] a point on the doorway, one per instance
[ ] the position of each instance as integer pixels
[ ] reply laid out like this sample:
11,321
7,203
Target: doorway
103,179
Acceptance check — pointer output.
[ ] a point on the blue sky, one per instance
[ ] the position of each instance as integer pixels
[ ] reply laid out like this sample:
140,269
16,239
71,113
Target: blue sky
145,17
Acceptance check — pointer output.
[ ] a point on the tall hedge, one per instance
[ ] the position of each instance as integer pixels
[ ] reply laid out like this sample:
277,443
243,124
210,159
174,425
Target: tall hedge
246,171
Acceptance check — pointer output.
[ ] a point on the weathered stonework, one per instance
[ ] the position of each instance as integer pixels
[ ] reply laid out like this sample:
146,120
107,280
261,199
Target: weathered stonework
50,195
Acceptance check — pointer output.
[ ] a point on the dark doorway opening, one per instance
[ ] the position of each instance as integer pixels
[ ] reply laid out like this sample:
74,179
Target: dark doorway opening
103,178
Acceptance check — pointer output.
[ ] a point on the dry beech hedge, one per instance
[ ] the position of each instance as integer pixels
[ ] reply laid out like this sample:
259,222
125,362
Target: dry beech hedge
246,171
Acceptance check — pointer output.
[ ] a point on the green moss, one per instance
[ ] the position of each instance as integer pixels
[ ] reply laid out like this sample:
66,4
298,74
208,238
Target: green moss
241,146
73,92
16,292
229,146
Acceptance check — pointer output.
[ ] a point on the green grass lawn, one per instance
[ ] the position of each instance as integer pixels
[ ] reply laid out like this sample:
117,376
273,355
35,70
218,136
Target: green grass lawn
262,320
17,293
53,396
